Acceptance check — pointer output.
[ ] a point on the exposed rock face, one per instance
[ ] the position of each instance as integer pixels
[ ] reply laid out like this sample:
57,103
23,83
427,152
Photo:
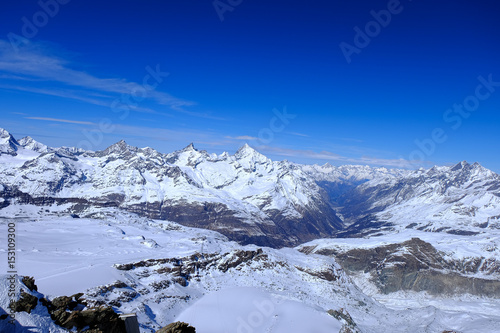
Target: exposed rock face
8,145
69,311
344,316
29,282
25,303
416,265
103,320
177,327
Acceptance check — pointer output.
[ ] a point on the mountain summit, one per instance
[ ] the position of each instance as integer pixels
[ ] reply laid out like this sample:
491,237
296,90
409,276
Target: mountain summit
8,145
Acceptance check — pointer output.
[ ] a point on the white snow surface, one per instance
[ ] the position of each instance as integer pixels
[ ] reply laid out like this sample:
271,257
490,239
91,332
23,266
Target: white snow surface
68,255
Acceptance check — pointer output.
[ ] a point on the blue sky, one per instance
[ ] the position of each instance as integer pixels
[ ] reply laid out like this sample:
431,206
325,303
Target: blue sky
344,82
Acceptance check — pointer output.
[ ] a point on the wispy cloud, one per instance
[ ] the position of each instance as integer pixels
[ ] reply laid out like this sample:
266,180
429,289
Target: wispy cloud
242,137
91,98
298,134
62,120
34,62
329,156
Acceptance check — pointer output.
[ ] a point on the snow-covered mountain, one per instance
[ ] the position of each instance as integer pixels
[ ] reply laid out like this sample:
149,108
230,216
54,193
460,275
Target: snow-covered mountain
8,145
248,197
245,196
461,199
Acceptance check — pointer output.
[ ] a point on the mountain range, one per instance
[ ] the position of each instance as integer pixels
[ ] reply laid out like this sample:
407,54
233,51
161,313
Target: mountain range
248,197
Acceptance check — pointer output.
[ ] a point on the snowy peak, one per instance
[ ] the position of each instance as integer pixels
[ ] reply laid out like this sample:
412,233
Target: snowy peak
29,143
464,172
188,156
4,134
119,148
246,150
189,147
249,157
8,145
460,166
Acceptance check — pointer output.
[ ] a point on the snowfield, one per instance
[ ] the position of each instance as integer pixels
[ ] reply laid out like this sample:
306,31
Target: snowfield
273,291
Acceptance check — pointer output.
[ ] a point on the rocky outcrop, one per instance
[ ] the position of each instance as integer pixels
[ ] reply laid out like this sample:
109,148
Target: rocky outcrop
177,327
29,282
102,319
71,312
26,303
349,326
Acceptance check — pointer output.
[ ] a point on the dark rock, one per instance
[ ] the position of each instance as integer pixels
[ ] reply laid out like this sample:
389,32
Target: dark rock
26,303
59,316
343,316
239,257
327,275
77,296
64,302
29,282
177,327
102,319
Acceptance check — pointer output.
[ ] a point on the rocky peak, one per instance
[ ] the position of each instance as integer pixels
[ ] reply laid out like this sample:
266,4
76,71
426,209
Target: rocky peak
249,157
471,172
245,149
8,145
189,156
4,134
460,166
248,152
189,147
121,147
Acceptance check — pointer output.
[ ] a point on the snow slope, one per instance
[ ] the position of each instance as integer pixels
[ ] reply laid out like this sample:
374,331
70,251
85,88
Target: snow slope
231,290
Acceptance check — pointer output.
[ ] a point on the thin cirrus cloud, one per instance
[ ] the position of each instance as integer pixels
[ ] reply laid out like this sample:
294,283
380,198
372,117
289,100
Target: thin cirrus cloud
329,156
242,138
33,62
62,120
298,134
92,98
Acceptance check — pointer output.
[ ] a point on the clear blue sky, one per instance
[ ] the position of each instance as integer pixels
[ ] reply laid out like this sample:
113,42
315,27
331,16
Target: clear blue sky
235,66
